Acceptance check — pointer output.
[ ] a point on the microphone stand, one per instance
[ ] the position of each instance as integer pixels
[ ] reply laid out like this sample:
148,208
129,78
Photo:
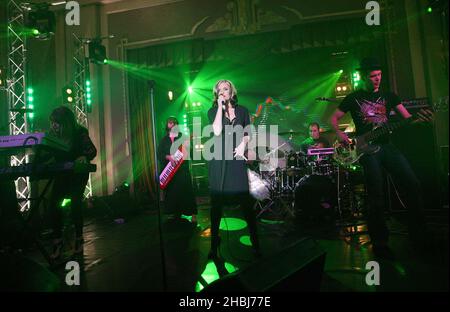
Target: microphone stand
151,84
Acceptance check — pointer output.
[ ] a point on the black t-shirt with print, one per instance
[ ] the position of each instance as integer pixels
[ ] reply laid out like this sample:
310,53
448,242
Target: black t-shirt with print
369,109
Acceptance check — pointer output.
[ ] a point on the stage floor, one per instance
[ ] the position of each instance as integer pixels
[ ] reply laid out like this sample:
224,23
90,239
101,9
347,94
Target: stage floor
126,256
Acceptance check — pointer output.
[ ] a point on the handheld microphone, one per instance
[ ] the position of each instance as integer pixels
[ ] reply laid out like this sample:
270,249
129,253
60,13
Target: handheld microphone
222,103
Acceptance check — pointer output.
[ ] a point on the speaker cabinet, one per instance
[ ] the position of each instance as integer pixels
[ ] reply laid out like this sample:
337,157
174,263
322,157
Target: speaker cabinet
296,268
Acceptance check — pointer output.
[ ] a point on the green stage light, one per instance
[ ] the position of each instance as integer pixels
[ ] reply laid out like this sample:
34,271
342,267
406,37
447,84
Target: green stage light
97,52
30,90
341,71
429,9
65,202
190,89
88,95
35,31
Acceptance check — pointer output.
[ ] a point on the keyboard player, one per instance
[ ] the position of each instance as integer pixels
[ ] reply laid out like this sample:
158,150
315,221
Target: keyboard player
64,126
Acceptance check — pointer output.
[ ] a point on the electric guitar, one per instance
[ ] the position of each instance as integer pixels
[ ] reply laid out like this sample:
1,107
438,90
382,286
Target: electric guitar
365,144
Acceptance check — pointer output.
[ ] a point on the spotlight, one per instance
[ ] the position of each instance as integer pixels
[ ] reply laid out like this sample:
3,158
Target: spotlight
342,89
67,93
40,21
97,52
122,188
190,89
170,95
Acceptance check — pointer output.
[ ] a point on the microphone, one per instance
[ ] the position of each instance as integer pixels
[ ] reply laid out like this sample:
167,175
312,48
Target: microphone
222,103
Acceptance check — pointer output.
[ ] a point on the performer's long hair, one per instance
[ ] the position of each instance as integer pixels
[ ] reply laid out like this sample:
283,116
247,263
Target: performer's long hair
172,119
64,116
233,99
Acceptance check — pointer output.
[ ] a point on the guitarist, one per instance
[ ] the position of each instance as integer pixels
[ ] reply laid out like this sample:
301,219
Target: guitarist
179,194
370,107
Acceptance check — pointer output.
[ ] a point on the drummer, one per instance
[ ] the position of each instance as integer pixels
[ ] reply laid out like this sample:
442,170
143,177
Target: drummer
314,140
314,195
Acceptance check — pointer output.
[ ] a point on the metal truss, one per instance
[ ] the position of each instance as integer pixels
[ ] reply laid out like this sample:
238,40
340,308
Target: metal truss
81,75
16,91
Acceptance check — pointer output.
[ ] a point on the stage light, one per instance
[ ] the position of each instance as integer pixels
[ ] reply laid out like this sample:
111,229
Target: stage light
170,95
429,9
97,52
40,20
67,93
30,102
122,188
65,202
341,71
356,78
343,88
190,89
88,95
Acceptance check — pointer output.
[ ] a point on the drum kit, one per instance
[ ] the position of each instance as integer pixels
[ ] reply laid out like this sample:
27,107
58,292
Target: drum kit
278,174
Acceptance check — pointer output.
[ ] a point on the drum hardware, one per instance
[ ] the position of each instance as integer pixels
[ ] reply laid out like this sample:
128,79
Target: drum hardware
275,189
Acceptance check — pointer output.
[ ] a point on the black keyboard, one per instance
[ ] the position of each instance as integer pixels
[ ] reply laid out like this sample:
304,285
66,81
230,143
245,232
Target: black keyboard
45,171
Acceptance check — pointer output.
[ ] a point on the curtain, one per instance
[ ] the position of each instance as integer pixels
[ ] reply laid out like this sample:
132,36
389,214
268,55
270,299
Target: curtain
142,147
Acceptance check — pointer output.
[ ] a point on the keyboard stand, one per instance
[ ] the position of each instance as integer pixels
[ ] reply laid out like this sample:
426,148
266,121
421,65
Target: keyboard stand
31,230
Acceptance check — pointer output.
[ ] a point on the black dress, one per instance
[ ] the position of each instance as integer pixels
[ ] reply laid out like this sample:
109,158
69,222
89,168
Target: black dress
229,177
179,195
71,185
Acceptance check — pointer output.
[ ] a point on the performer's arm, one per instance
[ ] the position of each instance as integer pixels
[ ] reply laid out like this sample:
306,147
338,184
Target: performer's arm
403,111
88,148
338,114
217,123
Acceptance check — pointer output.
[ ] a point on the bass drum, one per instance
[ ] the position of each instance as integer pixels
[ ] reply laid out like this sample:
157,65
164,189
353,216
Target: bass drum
259,188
